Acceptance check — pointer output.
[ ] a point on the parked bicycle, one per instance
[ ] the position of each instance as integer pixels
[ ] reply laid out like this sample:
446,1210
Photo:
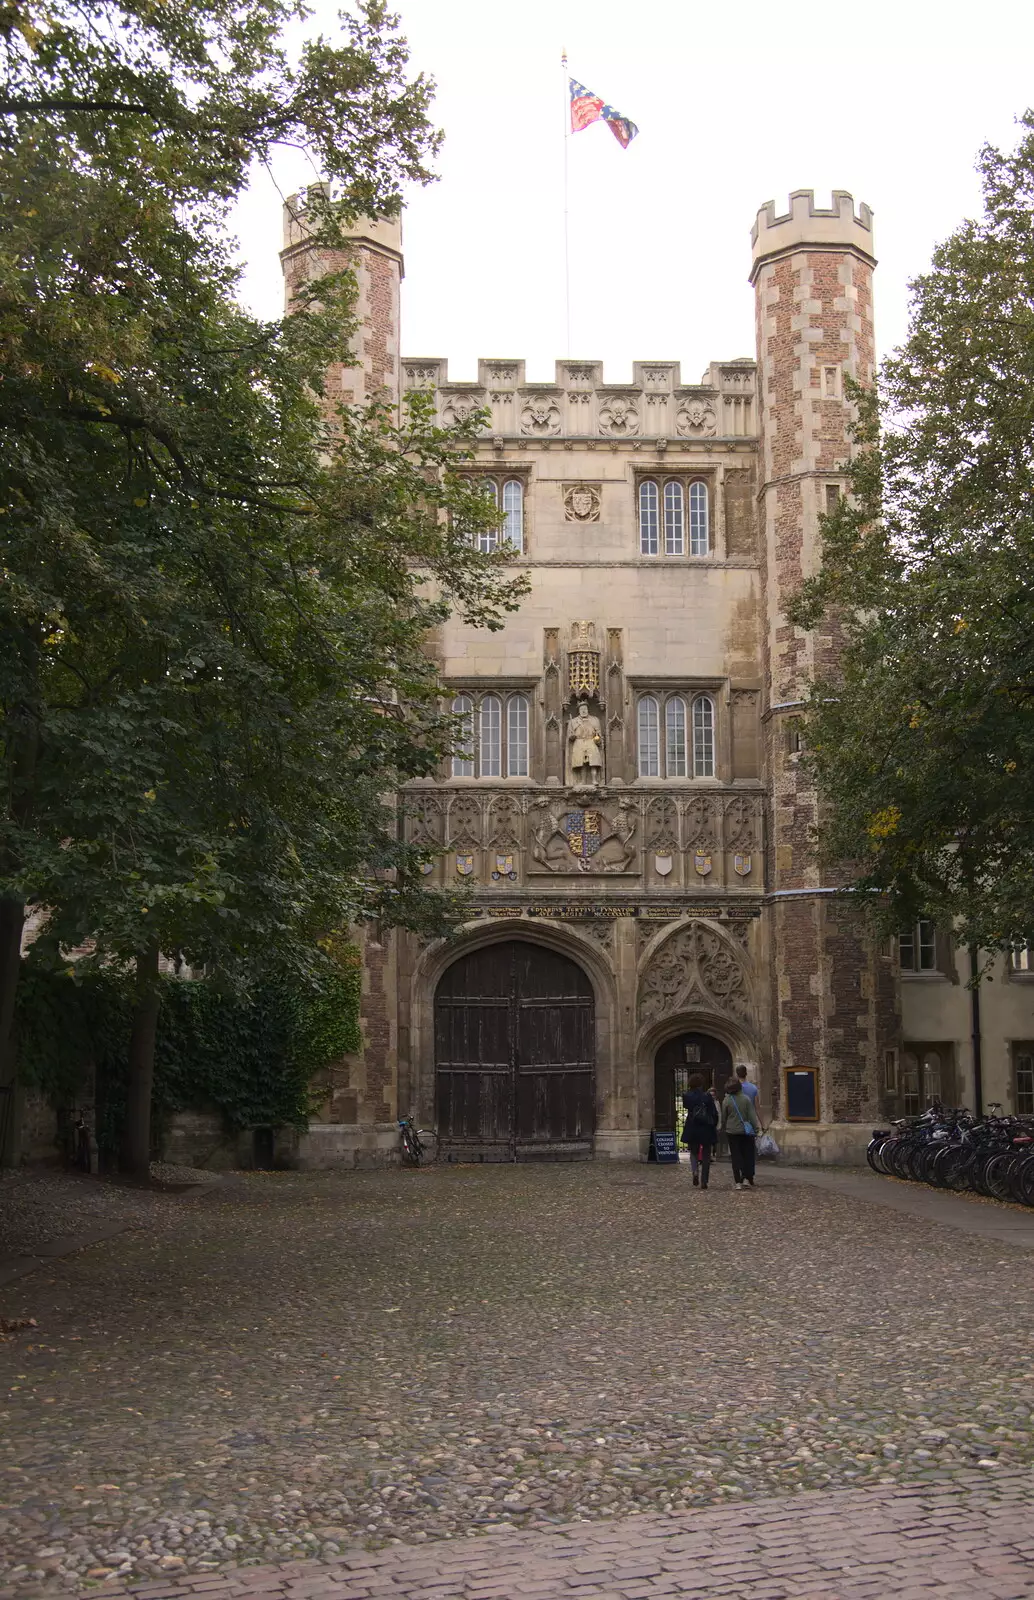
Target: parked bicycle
419,1145
951,1149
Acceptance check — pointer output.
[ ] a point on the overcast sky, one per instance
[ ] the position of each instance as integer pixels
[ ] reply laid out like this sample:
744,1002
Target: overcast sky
736,105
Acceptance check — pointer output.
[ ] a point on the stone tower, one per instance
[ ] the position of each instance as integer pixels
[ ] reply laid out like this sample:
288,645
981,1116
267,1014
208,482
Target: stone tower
832,994
374,255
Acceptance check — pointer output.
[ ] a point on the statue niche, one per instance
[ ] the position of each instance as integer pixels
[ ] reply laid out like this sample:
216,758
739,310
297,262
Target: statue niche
584,749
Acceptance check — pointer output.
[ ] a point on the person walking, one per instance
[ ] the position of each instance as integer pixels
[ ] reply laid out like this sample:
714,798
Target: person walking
700,1132
741,1127
749,1089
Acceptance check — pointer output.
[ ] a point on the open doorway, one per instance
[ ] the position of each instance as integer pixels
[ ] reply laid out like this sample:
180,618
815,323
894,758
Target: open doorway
674,1065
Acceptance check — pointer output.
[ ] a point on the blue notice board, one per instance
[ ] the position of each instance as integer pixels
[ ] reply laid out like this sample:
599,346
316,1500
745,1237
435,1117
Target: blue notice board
802,1094
663,1145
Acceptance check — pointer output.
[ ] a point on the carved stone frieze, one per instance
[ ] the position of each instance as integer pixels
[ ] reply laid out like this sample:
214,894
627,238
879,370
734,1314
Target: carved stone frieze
459,408
662,825
424,821
696,419
698,967
740,824
505,822
421,377
465,820
540,417
619,417
648,928
700,831
582,502
602,932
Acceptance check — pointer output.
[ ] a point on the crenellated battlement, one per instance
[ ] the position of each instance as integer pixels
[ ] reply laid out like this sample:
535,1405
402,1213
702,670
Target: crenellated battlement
837,227
656,404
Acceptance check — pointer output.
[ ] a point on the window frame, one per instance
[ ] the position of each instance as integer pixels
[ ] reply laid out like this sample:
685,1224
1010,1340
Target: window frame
913,939
497,483
1022,1051
659,740
676,538
512,741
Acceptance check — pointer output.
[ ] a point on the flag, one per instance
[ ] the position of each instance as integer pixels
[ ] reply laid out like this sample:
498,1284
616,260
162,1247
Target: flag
587,107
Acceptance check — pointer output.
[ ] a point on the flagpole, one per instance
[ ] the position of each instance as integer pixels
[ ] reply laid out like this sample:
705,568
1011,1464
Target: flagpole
567,241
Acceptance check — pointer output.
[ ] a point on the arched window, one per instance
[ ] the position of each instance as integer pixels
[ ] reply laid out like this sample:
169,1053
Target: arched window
488,538
463,760
649,739
675,738
674,523
517,736
513,509
699,526
491,737
703,737
648,518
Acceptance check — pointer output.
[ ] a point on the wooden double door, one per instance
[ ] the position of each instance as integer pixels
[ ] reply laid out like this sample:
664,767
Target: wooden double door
515,1057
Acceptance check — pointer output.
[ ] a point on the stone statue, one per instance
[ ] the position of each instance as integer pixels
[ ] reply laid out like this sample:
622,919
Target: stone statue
585,749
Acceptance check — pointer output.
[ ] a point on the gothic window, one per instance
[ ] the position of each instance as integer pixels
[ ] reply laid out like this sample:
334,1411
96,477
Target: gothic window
1021,958
649,739
674,521
463,760
649,543
675,737
507,493
670,754
918,948
494,738
491,737
703,737
517,736
673,495
699,521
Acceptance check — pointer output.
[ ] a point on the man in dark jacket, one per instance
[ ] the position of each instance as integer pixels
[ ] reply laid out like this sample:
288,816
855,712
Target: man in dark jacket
701,1128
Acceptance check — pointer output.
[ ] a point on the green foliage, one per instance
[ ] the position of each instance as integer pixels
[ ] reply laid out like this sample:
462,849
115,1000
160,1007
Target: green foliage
923,740
251,1055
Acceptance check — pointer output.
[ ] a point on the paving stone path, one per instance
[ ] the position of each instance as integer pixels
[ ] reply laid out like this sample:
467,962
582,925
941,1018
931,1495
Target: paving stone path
301,1367
967,1540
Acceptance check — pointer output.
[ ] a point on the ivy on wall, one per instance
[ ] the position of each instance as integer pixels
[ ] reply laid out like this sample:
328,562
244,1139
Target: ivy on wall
252,1056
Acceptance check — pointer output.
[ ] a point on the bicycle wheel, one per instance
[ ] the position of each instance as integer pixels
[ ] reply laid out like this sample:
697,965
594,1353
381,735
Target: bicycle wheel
1022,1185
998,1175
410,1147
915,1162
428,1146
946,1159
871,1152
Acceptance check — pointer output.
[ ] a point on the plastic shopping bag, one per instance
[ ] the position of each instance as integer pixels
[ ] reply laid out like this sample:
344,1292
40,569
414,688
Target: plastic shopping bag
767,1145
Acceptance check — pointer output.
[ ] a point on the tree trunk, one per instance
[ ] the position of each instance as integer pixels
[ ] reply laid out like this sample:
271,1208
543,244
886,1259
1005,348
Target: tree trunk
12,921
136,1132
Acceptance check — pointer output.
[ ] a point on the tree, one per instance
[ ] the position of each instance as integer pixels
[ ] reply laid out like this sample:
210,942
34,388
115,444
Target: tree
216,597
922,741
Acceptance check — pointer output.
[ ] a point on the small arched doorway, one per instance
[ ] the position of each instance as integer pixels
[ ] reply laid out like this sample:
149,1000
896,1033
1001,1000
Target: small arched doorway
514,1038
675,1062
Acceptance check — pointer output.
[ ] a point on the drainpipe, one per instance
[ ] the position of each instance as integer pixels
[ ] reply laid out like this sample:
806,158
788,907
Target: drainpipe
974,1003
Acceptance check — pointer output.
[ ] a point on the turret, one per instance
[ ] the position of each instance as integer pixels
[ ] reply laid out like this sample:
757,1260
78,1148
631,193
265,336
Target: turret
833,993
374,255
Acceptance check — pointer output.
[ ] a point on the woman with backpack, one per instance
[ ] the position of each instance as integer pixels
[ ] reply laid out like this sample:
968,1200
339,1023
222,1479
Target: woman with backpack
700,1132
741,1127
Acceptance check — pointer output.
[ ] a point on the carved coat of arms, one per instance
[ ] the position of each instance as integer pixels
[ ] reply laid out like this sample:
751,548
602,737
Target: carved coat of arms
582,830
742,865
464,865
702,862
504,868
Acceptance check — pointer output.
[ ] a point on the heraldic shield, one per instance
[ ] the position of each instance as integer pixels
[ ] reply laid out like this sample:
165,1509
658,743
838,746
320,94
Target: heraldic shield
582,829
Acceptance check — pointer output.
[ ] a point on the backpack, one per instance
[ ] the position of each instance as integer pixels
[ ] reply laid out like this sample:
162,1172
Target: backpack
705,1113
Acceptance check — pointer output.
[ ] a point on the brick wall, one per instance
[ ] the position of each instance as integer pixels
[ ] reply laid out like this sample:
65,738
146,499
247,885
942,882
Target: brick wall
833,997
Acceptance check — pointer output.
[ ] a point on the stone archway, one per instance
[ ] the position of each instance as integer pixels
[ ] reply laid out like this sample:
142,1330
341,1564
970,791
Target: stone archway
614,1043
515,1056
694,979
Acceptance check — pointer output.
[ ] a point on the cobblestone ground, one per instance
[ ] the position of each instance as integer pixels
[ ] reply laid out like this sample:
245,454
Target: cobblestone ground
304,1364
